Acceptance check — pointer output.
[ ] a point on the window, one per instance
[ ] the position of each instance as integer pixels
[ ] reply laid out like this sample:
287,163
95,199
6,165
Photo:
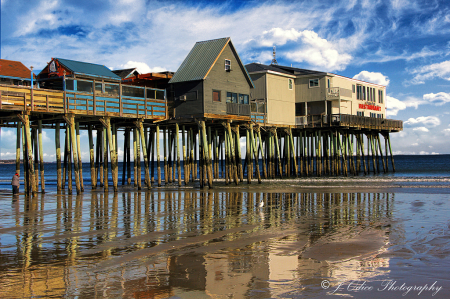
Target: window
243,99
363,93
84,86
379,115
360,113
216,96
313,83
99,87
290,84
232,97
353,88
328,83
373,114
373,95
380,96
112,89
227,65
359,92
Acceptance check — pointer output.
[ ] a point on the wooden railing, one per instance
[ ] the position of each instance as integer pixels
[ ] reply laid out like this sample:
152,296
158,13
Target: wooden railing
346,120
17,98
238,109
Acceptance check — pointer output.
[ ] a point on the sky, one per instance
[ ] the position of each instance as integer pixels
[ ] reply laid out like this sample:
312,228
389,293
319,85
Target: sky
402,44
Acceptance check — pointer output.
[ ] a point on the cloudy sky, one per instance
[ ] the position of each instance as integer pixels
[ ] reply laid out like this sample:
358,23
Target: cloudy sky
402,44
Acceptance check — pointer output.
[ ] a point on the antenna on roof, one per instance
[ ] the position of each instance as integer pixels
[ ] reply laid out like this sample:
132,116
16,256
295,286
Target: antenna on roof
274,60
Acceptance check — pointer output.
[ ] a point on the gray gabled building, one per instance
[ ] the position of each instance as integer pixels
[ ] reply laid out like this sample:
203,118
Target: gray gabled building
211,82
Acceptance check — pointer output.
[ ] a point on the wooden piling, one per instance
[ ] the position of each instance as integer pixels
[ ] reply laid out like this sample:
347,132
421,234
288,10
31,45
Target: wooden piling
19,126
183,143
124,159
144,152
166,166
105,160
91,158
138,157
80,165
248,156
206,157
293,152
277,149
238,153
255,153
41,156
232,154
177,152
31,180
58,157
381,152
34,139
26,173
75,152
158,159
390,150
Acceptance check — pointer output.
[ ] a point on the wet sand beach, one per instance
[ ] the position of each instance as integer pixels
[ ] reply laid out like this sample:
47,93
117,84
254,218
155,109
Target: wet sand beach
280,239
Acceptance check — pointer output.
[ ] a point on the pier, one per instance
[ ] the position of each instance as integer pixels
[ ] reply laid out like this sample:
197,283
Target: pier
214,119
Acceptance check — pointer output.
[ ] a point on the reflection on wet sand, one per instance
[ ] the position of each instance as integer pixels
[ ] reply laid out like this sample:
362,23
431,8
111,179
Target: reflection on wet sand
190,243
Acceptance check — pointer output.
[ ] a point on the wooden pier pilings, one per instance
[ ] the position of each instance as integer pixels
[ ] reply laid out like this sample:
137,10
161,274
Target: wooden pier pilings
270,152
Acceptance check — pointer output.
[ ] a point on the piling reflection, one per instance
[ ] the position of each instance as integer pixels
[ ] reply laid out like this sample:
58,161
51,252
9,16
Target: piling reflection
161,244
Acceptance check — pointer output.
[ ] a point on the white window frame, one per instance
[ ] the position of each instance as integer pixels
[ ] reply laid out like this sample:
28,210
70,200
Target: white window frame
227,65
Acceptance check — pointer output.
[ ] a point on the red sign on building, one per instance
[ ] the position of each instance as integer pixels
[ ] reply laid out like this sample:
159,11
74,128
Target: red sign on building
369,107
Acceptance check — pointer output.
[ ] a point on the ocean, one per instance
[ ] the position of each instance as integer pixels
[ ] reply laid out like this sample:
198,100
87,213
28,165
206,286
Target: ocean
422,169
369,236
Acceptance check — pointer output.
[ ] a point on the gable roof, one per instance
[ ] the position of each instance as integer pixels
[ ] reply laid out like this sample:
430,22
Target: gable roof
89,69
14,69
202,57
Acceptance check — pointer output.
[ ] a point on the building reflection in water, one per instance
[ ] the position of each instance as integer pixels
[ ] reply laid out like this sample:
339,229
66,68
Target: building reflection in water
159,244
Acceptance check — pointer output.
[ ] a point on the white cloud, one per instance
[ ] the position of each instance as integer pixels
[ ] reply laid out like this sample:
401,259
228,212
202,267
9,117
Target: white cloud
372,77
415,144
430,121
308,47
394,105
428,72
142,67
421,129
438,99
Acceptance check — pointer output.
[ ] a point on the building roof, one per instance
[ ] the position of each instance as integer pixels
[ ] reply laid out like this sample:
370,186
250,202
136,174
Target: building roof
258,67
125,73
15,69
89,69
202,57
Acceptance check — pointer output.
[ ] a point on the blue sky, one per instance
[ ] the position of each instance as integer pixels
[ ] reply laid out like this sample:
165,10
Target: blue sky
402,44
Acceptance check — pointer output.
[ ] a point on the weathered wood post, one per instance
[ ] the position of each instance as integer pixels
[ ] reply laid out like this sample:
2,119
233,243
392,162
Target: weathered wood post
74,152
258,130
31,181
99,158
183,141
34,139
91,158
255,153
238,152
138,156
26,177
58,157
135,158
80,164
19,125
248,156
166,167
293,152
381,152
144,152
105,160
177,152
232,153
169,160
206,155
152,142
277,148
158,159
124,160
